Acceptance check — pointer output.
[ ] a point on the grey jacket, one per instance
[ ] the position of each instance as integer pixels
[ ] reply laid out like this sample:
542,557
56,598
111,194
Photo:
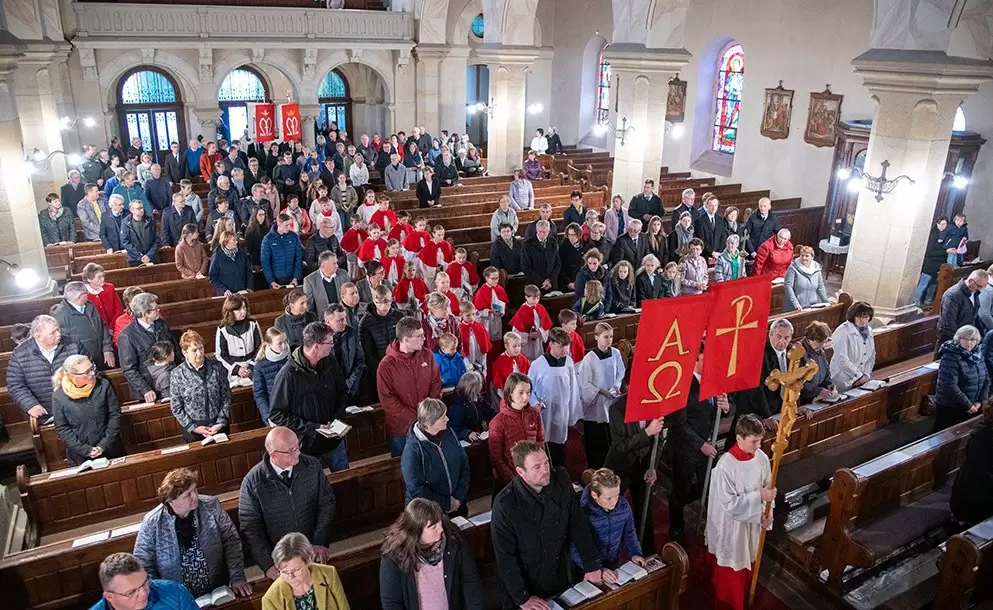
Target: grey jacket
157,547
500,218
87,327
803,288
29,374
200,398
396,178
317,297
88,218
365,290
723,270
521,195
268,509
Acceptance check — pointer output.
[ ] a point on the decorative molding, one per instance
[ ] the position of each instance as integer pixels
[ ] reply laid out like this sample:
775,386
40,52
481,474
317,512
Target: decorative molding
309,62
87,58
107,20
147,54
206,65
258,54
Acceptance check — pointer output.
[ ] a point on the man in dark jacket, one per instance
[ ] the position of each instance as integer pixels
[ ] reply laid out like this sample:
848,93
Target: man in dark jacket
285,492
29,374
534,520
309,393
72,191
935,255
377,330
760,400
323,239
158,190
544,213
111,223
505,252
135,344
90,167
138,236
540,259
645,204
711,229
685,205
78,319
223,188
286,175
246,207
761,225
56,223
434,464
281,254
347,350
174,218
254,173
175,165
960,307
630,247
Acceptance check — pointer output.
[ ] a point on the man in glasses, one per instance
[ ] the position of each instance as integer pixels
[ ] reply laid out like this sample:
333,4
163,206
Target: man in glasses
285,492
126,586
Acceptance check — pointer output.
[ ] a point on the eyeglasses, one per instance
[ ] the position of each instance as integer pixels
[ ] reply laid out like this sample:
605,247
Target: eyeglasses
87,373
293,573
292,451
133,592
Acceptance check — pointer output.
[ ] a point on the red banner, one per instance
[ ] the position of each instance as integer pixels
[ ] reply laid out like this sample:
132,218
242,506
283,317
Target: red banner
665,352
265,122
290,123
736,336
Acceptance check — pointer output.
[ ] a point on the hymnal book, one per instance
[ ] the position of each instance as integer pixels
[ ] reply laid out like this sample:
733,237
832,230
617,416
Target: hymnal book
485,434
630,571
356,410
124,531
873,384
819,305
932,365
220,437
579,593
465,444
481,519
91,539
337,429
832,399
653,564
577,487
858,392
553,605
176,449
220,595
94,464
462,522
778,281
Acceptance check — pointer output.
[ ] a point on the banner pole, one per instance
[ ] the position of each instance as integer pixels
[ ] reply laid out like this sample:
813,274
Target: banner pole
648,491
710,465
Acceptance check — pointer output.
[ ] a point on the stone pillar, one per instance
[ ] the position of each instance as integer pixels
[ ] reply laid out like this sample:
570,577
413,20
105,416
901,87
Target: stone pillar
39,117
453,81
505,128
639,88
915,95
308,115
403,106
20,239
429,89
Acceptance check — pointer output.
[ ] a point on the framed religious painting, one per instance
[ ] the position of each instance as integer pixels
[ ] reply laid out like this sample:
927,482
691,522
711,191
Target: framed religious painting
776,113
675,106
823,118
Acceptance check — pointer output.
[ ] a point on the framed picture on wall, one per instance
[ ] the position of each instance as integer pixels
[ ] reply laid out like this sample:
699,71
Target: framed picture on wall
675,106
823,117
776,113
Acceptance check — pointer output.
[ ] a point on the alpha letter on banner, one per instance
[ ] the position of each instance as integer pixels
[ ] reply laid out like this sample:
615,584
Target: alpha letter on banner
265,122
736,336
665,353
290,123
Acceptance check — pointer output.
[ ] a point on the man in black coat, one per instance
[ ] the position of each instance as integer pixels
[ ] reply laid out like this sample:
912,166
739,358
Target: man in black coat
29,374
544,213
685,205
285,492
505,252
110,225
174,218
645,204
761,225
73,191
347,350
79,320
711,229
176,167
630,247
935,255
540,260
534,520
960,306
254,173
629,457
309,393
135,344
762,401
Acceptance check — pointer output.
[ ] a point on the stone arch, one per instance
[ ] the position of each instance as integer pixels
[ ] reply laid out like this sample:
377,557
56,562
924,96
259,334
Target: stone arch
264,67
432,20
460,22
185,75
703,98
338,58
516,12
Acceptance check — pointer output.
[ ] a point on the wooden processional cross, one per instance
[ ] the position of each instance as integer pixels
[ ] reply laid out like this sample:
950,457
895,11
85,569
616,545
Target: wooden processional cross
792,383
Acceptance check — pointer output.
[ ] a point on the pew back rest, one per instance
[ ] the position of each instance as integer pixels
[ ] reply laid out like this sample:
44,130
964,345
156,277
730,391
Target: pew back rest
966,569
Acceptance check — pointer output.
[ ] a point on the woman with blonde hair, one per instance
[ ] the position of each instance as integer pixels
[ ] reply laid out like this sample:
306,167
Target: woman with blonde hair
302,584
86,412
426,563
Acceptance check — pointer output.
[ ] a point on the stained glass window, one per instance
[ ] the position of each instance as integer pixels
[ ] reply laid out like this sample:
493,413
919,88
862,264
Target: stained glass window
603,92
241,85
730,80
147,87
478,26
333,87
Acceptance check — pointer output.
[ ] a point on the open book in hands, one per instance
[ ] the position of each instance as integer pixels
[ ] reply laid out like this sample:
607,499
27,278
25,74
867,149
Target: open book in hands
336,429
220,437
94,464
220,595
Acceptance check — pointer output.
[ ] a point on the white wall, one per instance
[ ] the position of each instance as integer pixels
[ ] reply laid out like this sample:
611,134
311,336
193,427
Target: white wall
979,118
811,45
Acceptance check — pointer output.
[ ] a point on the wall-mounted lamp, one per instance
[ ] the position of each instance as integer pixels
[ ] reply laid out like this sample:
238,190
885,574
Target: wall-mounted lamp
880,185
535,108
959,181
676,130
622,132
481,107
25,279
67,122
38,160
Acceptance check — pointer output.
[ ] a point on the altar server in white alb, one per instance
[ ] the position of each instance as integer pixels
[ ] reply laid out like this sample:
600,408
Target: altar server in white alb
601,373
555,393
738,490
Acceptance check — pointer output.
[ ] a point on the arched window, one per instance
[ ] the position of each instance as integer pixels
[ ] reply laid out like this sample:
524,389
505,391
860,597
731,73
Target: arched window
336,106
730,80
149,108
603,91
478,26
239,88
959,123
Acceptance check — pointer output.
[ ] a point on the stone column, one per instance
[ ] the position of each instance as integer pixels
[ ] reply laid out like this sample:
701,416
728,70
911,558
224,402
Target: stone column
39,117
915,95
20,239
403,106
308,115
639,88
453,82
429,89
505,128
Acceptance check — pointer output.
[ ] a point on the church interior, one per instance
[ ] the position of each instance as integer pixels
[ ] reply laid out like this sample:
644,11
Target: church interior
863,123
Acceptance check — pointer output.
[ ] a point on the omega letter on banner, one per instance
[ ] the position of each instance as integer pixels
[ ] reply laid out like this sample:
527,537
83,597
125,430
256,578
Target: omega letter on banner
290,114
265,122
665,353
736,336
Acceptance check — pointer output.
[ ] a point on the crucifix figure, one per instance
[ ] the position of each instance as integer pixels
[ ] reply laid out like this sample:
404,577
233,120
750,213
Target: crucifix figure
792,382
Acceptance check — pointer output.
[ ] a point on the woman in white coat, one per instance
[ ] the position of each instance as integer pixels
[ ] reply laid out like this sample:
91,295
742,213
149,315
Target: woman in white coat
555,393
601,374
854,348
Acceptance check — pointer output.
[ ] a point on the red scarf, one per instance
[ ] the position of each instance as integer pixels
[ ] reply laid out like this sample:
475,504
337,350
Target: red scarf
740,454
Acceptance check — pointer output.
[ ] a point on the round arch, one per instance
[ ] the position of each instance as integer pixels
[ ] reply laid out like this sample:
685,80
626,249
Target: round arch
334,96
149,106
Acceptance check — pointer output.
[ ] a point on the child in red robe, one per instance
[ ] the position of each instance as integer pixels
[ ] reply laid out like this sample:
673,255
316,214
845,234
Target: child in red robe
373,248
569,321
393,263
384,216
353,238
533,322
491,302
402,227
463,274
476,342
435,255
510,361
416,239
442,284
411,290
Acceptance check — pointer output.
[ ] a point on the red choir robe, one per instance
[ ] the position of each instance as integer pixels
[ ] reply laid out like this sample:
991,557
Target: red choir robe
400,231
385,219
429,253
524,322
504,365
393,266
352,240
415,241
367,251
577,349
467,280
402,290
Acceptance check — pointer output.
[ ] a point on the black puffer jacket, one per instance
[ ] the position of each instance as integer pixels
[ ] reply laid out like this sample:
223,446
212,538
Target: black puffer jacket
87,328
85,423
134,345
304,398
293,326
962,378
376,332
29,374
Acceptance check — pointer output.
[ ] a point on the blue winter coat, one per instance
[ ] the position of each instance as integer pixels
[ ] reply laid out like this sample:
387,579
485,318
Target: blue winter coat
465,415
263,379
227,274
282,257
452,367
610,529
434,472
962,377
162,595
601,276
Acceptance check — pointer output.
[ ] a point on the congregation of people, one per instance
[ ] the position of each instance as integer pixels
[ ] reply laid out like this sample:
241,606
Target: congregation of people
381,306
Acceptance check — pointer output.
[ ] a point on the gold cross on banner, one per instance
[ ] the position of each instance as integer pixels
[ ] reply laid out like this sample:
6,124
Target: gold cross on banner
740,314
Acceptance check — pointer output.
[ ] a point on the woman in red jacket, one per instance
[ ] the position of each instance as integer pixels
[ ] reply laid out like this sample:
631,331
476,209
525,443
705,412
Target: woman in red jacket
774,256
207,161
516,421
102,294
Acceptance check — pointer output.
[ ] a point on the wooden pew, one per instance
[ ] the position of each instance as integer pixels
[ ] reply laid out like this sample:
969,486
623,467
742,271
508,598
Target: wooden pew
117,260
888,502
138,276
59,255
965,570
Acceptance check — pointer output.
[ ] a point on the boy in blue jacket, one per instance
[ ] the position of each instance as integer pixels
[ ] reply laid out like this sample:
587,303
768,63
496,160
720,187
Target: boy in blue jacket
612,522
450,360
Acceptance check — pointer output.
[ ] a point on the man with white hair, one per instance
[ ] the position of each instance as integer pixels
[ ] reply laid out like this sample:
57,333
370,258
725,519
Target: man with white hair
135,344
760,400
631,247
90,211
223,188
158,189
79,320
544,213
685,205
540,259
761,225
32,364
646,204
73,190
774,256
110,224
